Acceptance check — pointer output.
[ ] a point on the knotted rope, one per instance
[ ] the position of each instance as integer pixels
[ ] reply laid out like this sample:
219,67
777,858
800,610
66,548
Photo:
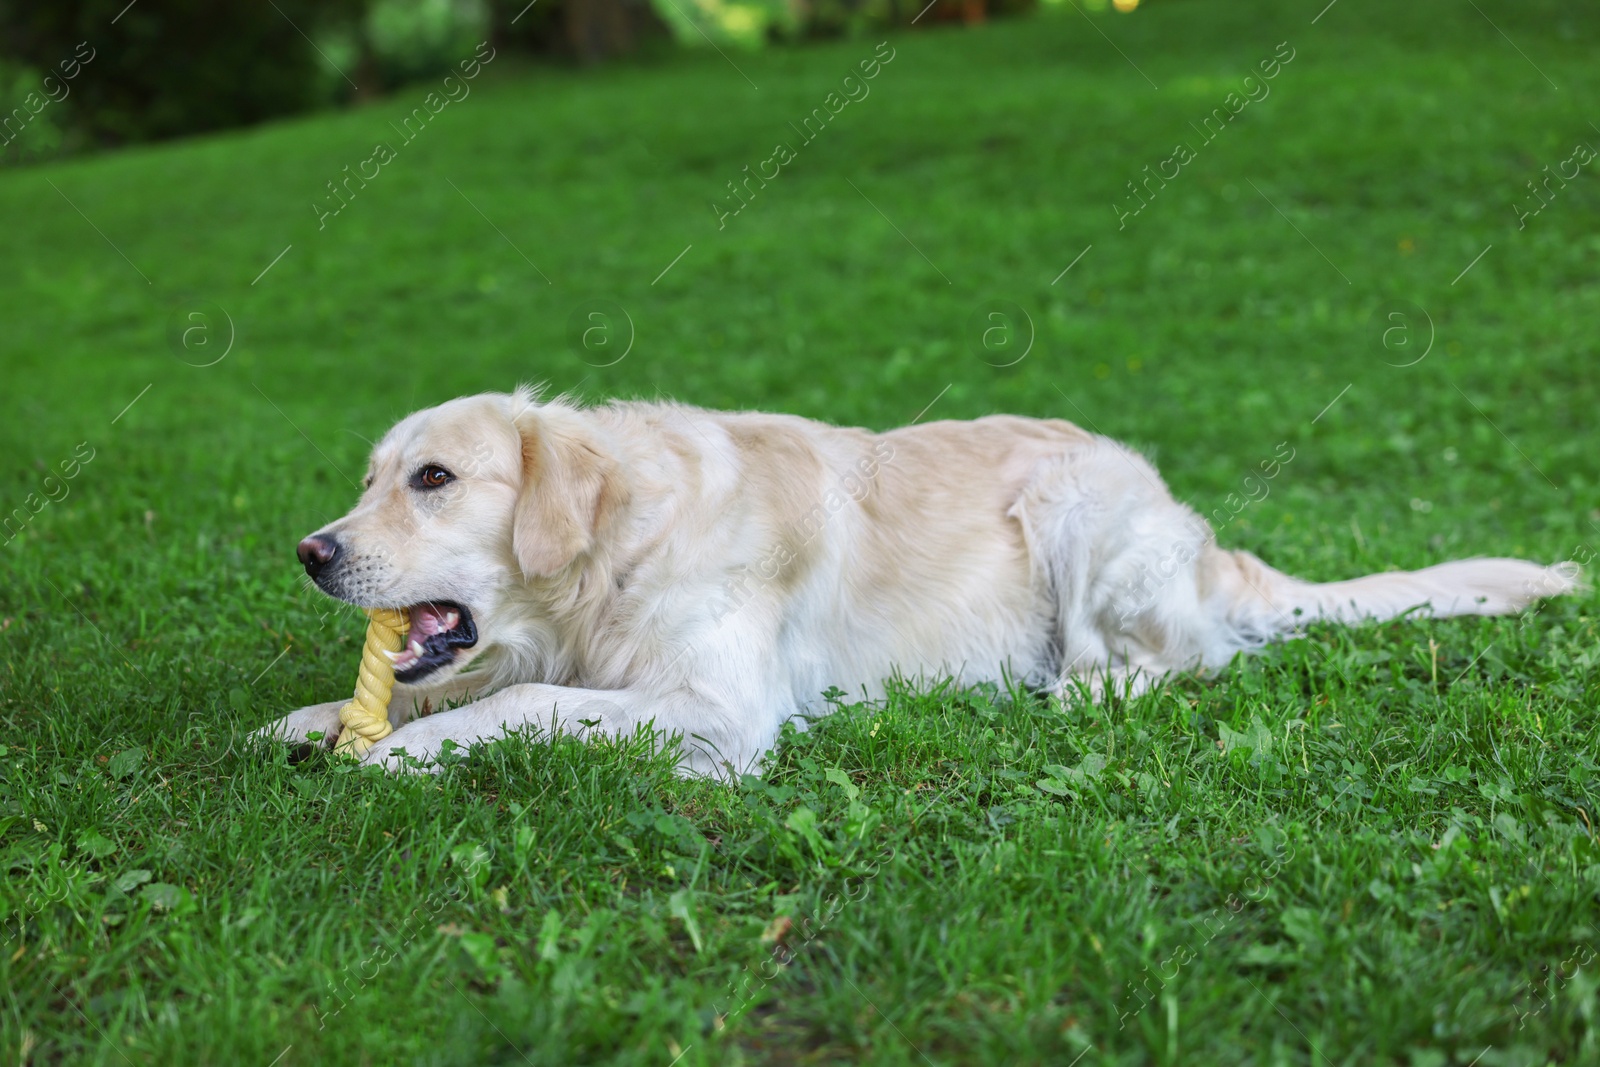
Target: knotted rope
366,717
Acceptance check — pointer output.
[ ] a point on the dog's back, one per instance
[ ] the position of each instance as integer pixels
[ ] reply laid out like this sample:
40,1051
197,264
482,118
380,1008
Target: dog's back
1030,549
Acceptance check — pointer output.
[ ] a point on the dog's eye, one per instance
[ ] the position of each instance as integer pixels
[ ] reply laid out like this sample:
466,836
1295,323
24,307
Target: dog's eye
431,477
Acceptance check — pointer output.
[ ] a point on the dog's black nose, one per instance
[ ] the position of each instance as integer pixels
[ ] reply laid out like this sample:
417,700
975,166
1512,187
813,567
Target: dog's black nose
316,552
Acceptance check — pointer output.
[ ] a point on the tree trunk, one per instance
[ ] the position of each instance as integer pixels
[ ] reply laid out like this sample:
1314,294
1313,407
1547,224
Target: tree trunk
599,29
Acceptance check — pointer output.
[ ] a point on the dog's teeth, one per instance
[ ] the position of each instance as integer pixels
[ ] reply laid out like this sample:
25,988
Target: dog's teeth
415,648
450,620
394,657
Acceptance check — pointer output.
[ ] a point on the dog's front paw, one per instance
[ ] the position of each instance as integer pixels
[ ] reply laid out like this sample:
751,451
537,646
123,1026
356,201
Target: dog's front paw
415,747
297,727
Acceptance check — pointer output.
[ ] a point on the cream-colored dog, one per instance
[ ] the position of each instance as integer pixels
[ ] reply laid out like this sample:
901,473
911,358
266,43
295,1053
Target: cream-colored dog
589,570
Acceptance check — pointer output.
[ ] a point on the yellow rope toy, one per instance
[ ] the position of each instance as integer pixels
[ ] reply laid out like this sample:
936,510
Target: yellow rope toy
366,717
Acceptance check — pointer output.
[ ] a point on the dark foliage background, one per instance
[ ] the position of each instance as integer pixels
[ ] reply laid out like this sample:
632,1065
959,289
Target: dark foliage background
169,67
166,68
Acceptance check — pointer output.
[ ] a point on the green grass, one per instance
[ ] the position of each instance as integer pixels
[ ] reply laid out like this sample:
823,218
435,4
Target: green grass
1372,846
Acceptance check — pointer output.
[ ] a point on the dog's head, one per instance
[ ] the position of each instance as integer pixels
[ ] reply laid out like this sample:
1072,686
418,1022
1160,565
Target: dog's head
464,504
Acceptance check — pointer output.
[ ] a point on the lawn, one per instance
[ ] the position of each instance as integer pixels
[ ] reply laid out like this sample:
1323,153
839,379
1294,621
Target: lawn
1371,846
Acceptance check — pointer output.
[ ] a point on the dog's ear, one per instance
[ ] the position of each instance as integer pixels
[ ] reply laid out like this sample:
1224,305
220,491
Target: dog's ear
571,489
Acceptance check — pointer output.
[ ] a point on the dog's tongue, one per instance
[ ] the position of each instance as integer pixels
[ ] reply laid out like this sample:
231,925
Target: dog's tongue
429,619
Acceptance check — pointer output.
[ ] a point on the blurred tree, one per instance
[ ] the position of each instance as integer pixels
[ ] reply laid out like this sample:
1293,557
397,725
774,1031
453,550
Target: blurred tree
599,29
406,40
590,31
31,128
747,23
166,67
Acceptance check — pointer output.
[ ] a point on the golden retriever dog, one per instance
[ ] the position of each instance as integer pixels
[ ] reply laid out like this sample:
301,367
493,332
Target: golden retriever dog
711,574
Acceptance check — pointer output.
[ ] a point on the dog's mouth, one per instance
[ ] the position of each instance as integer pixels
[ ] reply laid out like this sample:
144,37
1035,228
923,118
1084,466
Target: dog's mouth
438,629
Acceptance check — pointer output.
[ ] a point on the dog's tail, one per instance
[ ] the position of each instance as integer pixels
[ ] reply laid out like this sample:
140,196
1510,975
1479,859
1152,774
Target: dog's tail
1261,603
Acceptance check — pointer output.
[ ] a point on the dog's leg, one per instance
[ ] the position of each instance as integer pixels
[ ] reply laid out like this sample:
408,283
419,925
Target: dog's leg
295,727
408,702
1118,555
710,746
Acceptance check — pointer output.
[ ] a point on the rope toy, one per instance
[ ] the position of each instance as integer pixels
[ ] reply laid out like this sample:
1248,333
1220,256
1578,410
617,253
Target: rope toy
366,717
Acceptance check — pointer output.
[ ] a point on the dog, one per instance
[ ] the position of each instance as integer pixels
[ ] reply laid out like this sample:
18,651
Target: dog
710,575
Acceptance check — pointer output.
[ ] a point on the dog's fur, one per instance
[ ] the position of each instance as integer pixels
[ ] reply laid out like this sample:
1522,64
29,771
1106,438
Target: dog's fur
715,573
